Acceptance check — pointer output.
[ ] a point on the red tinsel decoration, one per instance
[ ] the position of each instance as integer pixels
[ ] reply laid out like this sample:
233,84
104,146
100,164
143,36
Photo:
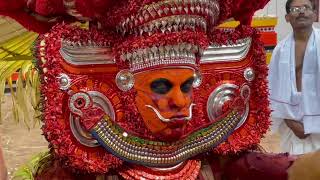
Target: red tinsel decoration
56,128
110,12
258,121
241,10
11,5
47,7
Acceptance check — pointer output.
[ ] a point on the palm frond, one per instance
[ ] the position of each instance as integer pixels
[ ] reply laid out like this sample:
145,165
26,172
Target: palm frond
16,58
34,166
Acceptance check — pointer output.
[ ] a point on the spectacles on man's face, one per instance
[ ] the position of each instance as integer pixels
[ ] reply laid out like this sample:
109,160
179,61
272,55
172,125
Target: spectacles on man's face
300,9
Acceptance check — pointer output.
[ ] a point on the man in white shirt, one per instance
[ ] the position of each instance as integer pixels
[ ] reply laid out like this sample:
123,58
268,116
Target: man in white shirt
294,80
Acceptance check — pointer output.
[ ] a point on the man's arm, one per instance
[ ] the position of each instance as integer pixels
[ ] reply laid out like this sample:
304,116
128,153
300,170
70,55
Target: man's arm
297,128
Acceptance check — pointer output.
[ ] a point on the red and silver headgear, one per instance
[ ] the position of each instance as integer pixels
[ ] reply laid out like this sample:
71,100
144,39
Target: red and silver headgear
149,82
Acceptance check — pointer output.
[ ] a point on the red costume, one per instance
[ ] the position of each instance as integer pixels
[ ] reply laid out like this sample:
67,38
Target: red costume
150,89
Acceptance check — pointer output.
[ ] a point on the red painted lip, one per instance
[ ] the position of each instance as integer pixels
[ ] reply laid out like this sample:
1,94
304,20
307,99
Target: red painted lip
177,123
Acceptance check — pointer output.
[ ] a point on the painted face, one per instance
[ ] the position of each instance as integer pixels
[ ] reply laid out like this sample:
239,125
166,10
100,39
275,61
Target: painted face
302,14
164,100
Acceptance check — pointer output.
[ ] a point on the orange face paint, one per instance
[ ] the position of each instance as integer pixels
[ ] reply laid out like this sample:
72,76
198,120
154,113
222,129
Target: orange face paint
164,99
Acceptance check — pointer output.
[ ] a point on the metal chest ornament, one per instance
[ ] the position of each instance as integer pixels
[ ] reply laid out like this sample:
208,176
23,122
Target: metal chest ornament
153,92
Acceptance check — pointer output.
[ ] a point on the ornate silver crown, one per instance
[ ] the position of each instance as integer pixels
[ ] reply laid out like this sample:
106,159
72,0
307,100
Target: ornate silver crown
180,54
171,15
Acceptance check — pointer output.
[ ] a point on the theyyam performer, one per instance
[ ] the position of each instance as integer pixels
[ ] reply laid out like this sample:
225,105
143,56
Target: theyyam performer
149,89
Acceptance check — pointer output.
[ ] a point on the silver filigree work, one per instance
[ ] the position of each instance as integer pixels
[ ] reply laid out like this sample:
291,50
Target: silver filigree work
216,100
124,80
249,74
244,116
178,54
221,95
79,101
227,53
245,92
84,137
88,53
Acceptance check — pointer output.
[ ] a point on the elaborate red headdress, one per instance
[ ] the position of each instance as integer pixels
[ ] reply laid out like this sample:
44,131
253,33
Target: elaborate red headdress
87,77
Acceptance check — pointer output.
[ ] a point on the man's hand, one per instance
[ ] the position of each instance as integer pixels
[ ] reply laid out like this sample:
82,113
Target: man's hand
297,128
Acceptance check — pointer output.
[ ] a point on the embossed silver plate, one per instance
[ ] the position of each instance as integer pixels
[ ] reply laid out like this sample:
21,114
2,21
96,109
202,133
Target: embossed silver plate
84,137
227,53
86,53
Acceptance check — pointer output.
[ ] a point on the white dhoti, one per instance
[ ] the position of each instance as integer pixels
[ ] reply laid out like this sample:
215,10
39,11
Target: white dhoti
289,142
287,103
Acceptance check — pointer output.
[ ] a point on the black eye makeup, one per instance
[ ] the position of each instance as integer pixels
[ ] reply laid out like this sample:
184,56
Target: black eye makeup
161,86
187,85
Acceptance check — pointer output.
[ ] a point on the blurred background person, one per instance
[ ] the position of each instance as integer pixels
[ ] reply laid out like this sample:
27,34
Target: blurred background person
294,78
